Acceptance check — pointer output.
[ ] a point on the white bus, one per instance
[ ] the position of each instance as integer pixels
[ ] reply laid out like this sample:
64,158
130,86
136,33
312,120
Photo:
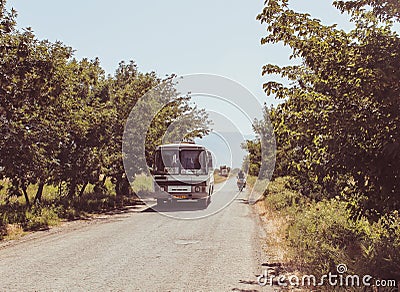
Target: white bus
183,171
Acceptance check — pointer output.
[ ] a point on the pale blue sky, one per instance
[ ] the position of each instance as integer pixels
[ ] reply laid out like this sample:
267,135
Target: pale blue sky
176,36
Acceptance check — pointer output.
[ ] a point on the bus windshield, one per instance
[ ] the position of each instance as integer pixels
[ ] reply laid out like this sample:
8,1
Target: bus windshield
180,161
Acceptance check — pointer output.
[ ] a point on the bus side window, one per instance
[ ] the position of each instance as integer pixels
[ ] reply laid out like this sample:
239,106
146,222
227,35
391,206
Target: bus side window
210,161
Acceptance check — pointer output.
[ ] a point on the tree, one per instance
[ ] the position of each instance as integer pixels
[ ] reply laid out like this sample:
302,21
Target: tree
62,120
340,119
383,9
128,87
177,122
252,162
7,19
30,90
87,119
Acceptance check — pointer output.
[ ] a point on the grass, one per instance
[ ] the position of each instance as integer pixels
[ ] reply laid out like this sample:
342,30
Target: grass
258,186
16,218
142,183
275,227
40,218
14,231
313,237
219,179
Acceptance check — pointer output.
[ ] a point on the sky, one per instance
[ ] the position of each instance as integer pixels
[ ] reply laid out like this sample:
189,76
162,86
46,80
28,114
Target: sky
176,36
220,37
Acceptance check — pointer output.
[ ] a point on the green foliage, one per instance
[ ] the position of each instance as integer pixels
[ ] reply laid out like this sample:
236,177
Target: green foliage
260,161
86,126
321,235
252,162
325,234
280,195
383,9
62,122
127,86
381,247
142,183
40,218
340,118
7,19
337,134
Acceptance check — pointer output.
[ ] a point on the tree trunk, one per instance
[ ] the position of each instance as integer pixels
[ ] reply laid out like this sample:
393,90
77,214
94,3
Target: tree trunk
126,187
72,189
60,189
83,189
118,183
39,193
26,196
99,187
122,188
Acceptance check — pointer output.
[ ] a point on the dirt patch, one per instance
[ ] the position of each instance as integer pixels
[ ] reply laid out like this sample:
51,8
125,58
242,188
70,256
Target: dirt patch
14,232
274,228
278,264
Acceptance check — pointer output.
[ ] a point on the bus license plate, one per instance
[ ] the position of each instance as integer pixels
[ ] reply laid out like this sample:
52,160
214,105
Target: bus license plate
180,196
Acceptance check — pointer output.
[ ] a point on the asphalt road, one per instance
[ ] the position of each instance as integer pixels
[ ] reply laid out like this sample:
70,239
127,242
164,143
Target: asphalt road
145,251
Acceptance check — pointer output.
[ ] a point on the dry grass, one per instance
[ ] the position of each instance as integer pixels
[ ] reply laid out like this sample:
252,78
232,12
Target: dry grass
275,226
14,231
142,182
219,179
275,229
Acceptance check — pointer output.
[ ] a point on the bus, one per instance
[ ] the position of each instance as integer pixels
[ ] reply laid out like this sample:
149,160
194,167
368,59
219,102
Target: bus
224,170
183,172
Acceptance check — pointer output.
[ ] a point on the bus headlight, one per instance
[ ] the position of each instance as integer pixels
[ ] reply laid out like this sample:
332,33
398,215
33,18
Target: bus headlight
197,189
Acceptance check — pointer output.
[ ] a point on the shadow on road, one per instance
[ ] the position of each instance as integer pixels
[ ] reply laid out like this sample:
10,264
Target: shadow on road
176,207
242,201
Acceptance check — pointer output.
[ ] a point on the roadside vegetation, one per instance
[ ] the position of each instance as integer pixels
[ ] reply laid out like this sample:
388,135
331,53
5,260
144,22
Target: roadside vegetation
336,187
19,218
62,122
312,236
219,178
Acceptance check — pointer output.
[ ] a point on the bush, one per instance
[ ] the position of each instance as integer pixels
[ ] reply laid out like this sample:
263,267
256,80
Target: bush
321,235
67,212
380,249
142,183
40,218
2,228
280,194
325,235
